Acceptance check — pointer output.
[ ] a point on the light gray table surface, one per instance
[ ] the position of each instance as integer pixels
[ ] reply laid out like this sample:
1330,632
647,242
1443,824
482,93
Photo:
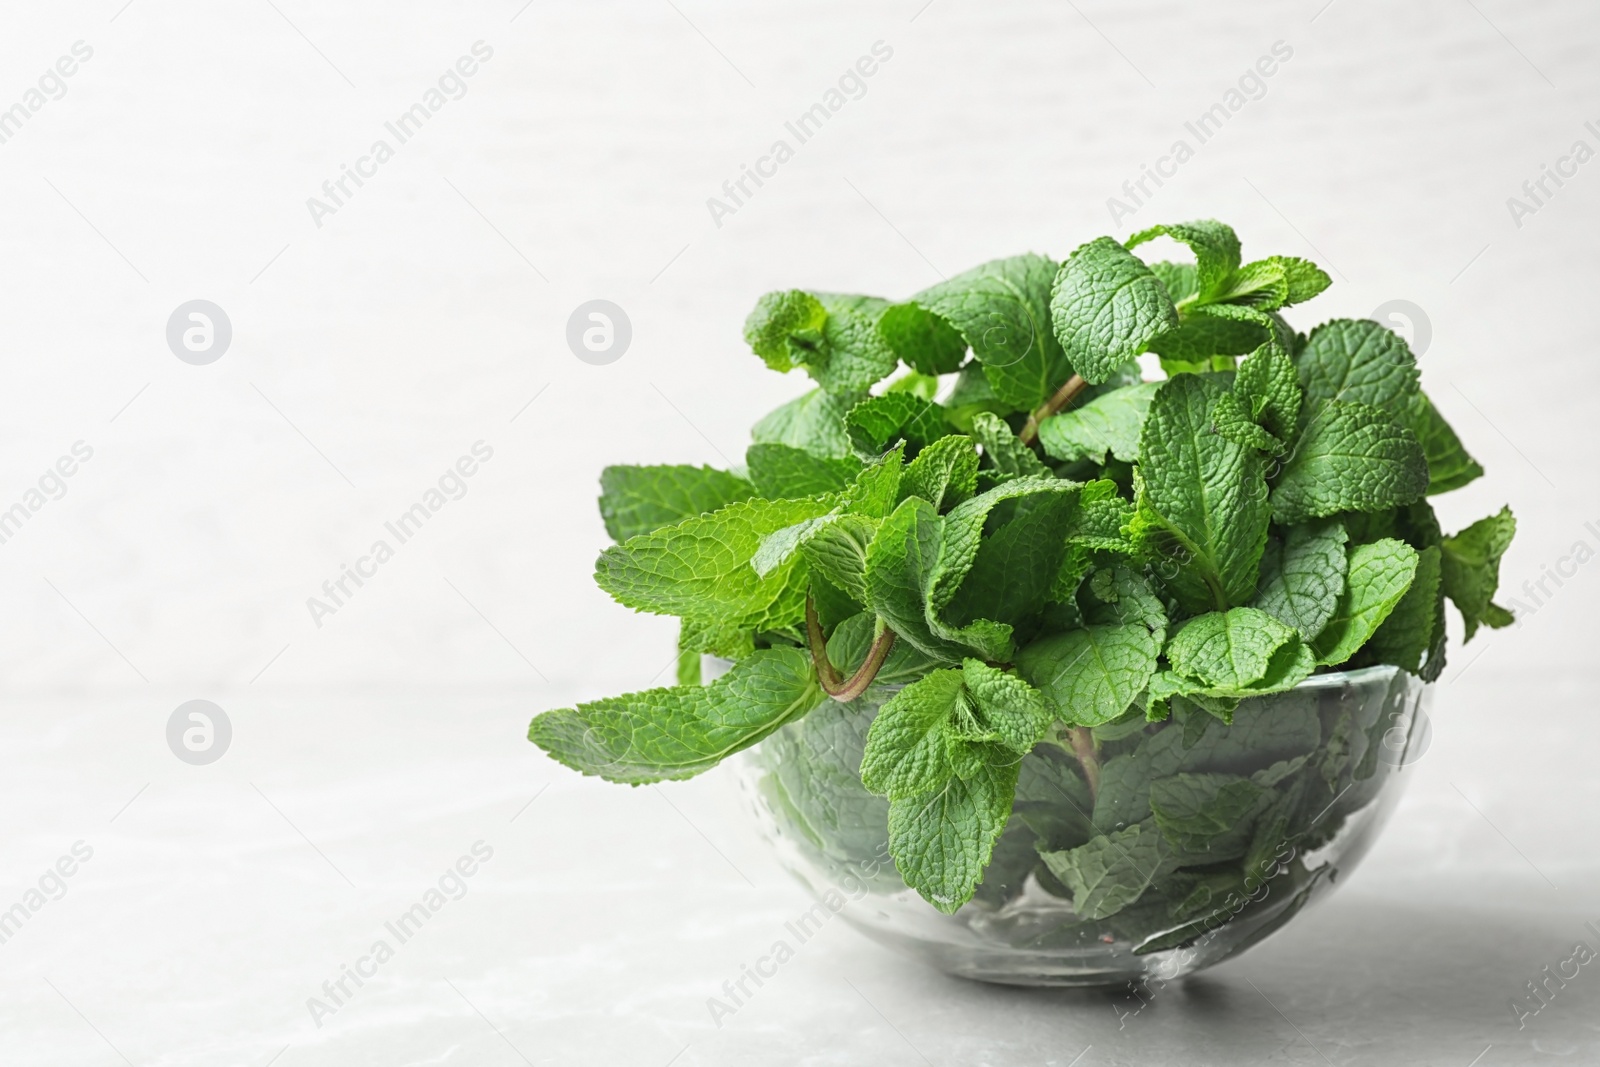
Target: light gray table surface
374,748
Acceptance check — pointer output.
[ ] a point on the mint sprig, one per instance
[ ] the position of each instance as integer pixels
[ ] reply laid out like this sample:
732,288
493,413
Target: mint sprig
1026,574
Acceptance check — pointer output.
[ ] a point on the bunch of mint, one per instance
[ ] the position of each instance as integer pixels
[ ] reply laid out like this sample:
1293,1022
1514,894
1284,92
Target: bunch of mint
1038,550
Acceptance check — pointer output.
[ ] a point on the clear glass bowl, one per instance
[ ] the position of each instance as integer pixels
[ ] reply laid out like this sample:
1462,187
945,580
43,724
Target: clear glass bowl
1324,760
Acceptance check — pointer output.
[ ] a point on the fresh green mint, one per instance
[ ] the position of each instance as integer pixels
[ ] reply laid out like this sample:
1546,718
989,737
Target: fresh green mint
1025,558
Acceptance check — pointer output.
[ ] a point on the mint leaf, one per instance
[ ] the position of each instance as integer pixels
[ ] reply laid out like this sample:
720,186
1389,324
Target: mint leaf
908,746
1228,649
1470,569
1275,282
942,841
1010,576
1203,499
702,566
1011,707
924,341
959,551
900,566
838,553
1107,307
1449,465
1215,247
1379,575
1207,817
1350,457
1203,334
1118,595
637,500
1407,636
784,324
783,472
1002,309
879,421
1230,419
1269,388
1004,450
833,336
1111,871
945,473
814,422
1090,676
1302,577
668,734
876,490
1110,423
715,637
1359,361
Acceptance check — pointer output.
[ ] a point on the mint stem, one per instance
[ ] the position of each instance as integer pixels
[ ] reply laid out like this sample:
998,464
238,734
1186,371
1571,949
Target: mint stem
834,684
1083,747
1063,396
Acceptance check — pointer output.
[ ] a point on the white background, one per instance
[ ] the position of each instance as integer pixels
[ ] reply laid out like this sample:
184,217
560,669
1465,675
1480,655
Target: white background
372,351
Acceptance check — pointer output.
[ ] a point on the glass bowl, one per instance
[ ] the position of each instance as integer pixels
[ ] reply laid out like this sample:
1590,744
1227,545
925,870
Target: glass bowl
1255,820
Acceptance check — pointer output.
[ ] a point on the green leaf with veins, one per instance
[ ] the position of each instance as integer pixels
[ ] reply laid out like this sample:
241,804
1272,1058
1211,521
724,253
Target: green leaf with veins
1181,280
1228,649
960,549
1269,387
908,746
814,422
945,473
1359,361
1449,465
879,421
1231,420
1378,576
1202,496
1470,570
784,472
715,637
842,348
1110,423
1350,457
1004,450
1002,309
1010,577
900,566
637,500
1113,870
1215,247
1303,576
1107,307
924,341
1207,817
1204,333
838,552
1275,282
702,566
1010,707
668,734
1406,637
942,841
1091,675
1118,595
